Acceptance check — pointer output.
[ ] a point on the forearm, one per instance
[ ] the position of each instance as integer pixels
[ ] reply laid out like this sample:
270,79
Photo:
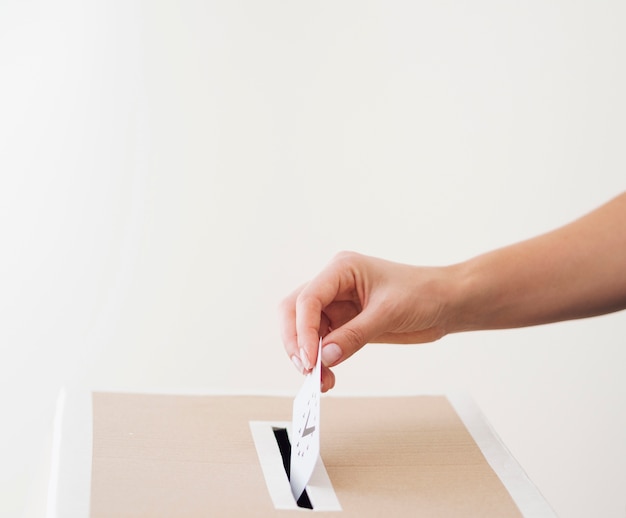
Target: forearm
576,271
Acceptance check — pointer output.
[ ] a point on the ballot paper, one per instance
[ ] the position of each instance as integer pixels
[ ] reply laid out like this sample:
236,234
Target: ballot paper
305,429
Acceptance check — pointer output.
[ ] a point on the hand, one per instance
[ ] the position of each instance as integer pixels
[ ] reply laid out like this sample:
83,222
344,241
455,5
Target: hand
576,271
358,299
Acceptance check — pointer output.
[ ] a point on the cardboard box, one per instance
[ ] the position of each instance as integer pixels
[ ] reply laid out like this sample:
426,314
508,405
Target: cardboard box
148,455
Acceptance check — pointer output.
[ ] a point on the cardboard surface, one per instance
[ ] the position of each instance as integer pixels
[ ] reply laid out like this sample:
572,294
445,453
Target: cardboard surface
156,455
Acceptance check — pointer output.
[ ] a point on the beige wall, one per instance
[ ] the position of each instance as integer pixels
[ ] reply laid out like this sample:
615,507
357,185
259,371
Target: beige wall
170,170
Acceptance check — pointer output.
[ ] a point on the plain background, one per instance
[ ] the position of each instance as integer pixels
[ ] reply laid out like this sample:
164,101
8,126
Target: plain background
170,170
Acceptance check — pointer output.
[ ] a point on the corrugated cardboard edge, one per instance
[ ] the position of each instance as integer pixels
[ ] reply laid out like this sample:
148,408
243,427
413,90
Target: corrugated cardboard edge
525,494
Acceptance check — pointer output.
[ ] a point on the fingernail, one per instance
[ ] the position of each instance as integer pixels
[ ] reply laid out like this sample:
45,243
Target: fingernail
331,354
305,359
296,361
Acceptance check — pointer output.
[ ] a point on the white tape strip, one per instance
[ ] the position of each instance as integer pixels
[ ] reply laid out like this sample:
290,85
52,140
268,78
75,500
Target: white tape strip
70,472
525,494
319,489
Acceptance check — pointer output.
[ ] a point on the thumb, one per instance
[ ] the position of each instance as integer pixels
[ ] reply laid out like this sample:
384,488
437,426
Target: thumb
343,342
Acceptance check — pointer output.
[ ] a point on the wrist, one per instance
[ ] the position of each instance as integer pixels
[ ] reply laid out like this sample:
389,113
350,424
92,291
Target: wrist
464,295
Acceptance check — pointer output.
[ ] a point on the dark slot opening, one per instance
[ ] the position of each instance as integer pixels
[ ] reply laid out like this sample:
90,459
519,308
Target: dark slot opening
285,452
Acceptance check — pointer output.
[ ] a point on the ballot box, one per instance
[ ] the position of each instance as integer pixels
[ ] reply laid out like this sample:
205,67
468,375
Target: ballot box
155,455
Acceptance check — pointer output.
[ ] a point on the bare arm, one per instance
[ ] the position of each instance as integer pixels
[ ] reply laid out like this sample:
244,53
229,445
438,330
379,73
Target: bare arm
576,271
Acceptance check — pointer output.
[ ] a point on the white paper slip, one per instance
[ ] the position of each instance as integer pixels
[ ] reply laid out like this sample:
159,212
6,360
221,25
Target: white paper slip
305,429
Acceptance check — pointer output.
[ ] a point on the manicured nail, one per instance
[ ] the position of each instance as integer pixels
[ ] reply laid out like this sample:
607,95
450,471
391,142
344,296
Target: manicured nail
331,354
296,361
305,359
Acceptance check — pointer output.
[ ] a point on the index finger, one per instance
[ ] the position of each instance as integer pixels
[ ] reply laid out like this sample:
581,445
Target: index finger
310,303
287,315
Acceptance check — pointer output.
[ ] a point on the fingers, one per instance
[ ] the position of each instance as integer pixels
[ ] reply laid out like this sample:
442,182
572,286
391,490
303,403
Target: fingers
287,313
287,316
289,335
308,320
309,312
340,312
330,306
358,299
343,342
328,379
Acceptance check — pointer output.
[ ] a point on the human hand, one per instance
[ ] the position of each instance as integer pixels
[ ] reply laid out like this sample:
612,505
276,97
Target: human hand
358,299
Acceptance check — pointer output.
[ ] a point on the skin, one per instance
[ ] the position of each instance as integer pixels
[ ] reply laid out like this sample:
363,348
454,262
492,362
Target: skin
576,271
